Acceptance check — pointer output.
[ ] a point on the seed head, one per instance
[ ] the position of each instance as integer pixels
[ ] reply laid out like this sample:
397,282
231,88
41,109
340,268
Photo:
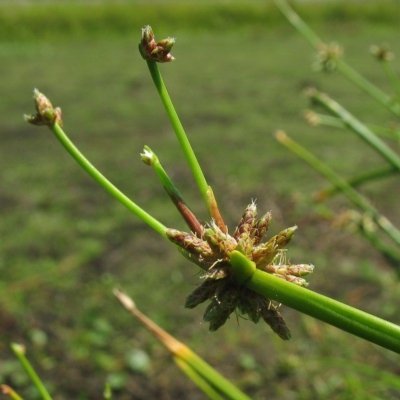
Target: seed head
46,113
155,51
212,252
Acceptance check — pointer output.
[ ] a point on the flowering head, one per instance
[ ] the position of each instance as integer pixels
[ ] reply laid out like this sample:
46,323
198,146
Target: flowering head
328,56
381,53
155,51
212,253
46,113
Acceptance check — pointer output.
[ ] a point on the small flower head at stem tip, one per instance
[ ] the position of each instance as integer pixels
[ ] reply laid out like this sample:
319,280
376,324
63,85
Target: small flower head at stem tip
328,56
148,157
46,113
381,53
155,51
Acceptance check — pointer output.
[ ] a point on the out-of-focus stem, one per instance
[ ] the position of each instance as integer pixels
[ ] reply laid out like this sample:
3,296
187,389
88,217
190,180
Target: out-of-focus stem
197,379
183,352
342,184
391,75
356,126
378,173
316,119
19,351
9,391
104,182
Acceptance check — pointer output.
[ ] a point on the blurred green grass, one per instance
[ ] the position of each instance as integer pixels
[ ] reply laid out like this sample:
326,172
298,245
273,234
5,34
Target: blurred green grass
65,243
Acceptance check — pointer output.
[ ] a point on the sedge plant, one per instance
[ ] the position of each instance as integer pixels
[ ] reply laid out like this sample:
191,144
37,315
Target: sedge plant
242,270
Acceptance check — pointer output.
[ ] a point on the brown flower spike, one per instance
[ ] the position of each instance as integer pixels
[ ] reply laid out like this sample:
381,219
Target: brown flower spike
46,113
155,51
212,253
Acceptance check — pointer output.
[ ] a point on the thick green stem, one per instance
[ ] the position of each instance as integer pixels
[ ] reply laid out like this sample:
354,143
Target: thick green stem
349,319
179,131
197,379
342,184
19,351
105,183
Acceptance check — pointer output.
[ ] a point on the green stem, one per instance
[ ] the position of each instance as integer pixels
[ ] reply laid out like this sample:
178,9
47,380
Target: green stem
179,350
179,131
222,384
299,24
197,379
341,65
19,351
316,119
150,158
357,126
342,184
368,87
357,180
105,183
349,319
391,75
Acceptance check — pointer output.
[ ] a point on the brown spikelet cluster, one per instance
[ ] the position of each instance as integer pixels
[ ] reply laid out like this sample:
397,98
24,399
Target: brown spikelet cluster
211,252
155,51
328,56
46,114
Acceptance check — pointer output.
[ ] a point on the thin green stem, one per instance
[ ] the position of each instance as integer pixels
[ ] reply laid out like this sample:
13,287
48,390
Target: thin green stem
341,65
150,158
351,74
391,75
349,319
299,24
104,182
179,131
358,180
357,126
19,351
316,119
342,184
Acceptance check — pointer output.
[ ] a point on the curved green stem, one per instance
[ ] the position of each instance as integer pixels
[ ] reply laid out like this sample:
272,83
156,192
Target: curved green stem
179,131
349,319
105,183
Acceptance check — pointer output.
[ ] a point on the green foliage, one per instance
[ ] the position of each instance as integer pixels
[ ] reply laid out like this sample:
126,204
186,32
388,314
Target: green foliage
108,18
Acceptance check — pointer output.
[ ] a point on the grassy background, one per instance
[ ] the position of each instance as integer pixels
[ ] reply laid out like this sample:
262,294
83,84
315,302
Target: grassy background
65,243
